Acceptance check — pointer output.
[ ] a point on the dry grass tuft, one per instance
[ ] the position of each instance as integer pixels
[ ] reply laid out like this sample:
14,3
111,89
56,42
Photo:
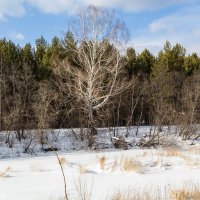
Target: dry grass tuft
121,161
190,162
114,165
36,168
191,191
131,165
82,169
144,154
102,161
170,152
83,188
121,196
194,149
62,160
186,194
5,171
134,195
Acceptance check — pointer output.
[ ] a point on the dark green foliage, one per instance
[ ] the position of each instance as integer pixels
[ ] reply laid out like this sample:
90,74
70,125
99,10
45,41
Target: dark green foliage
25,69
191,63
172,57
69,48
146,62
131,66
42,56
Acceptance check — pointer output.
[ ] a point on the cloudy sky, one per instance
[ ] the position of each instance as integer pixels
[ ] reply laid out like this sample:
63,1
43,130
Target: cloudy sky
151,22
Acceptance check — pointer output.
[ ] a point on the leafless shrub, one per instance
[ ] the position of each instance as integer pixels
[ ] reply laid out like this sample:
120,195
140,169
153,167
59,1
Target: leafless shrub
83,189
188,124
29,142
95,73
119,143
17,87
150,140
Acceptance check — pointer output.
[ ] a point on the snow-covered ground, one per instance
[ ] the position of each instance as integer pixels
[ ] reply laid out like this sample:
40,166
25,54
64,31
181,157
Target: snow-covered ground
103,172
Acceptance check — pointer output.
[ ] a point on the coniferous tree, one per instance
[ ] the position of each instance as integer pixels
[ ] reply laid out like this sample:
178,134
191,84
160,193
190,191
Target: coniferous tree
191,63
131,66
146,62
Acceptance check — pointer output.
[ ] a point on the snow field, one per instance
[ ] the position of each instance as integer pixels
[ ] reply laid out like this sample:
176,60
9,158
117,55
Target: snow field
100,173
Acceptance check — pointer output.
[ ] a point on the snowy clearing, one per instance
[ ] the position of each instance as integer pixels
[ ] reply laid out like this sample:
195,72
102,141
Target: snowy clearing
102,172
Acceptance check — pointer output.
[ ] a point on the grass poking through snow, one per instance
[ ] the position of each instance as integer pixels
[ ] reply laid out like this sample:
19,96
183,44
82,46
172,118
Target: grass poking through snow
4,173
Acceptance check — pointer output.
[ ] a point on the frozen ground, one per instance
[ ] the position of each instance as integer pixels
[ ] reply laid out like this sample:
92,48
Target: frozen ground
38,176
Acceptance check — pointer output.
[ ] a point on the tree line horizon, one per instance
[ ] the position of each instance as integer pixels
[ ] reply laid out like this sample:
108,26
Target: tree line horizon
38,91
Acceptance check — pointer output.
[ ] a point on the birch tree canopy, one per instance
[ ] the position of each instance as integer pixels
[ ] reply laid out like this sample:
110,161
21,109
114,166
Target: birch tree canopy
98,66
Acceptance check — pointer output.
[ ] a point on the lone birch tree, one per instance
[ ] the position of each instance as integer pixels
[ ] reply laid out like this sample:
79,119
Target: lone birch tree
96,71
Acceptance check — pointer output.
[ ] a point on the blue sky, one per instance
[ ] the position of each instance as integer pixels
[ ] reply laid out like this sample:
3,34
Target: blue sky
151,22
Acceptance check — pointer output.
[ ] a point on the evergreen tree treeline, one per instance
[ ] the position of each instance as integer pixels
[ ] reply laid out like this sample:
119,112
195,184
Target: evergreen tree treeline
27,76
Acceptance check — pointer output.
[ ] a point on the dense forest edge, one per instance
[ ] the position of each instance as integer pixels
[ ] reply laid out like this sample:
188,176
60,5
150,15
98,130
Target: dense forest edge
50,86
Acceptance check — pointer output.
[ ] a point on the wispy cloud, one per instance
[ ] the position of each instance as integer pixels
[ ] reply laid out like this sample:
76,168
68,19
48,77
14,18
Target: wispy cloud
182,27
18,8
11,8
16,36
56,6
135,5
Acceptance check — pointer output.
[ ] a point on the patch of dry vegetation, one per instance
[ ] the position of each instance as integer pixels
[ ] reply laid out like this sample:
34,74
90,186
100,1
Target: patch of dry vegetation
102,161
131,164
83,188
62,160
191,162
135,195
194,149
114,165
190,191
82,169
172,152
36,168
122,163
186,193
128,164
5,171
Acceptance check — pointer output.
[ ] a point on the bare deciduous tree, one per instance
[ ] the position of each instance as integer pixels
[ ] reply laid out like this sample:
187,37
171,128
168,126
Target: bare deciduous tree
188,123
97,74
17,88
43,111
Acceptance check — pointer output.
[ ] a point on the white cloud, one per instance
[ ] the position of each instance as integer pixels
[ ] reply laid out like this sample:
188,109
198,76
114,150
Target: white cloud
11,8
177,22
18,8
56,6
180,27
16,36
59,6
137,5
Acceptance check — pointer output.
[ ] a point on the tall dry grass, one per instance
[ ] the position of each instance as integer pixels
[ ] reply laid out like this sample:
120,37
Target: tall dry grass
4,172
189,191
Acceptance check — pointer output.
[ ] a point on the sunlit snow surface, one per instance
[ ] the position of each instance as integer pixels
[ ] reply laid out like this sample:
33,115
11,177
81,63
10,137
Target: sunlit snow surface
105,171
